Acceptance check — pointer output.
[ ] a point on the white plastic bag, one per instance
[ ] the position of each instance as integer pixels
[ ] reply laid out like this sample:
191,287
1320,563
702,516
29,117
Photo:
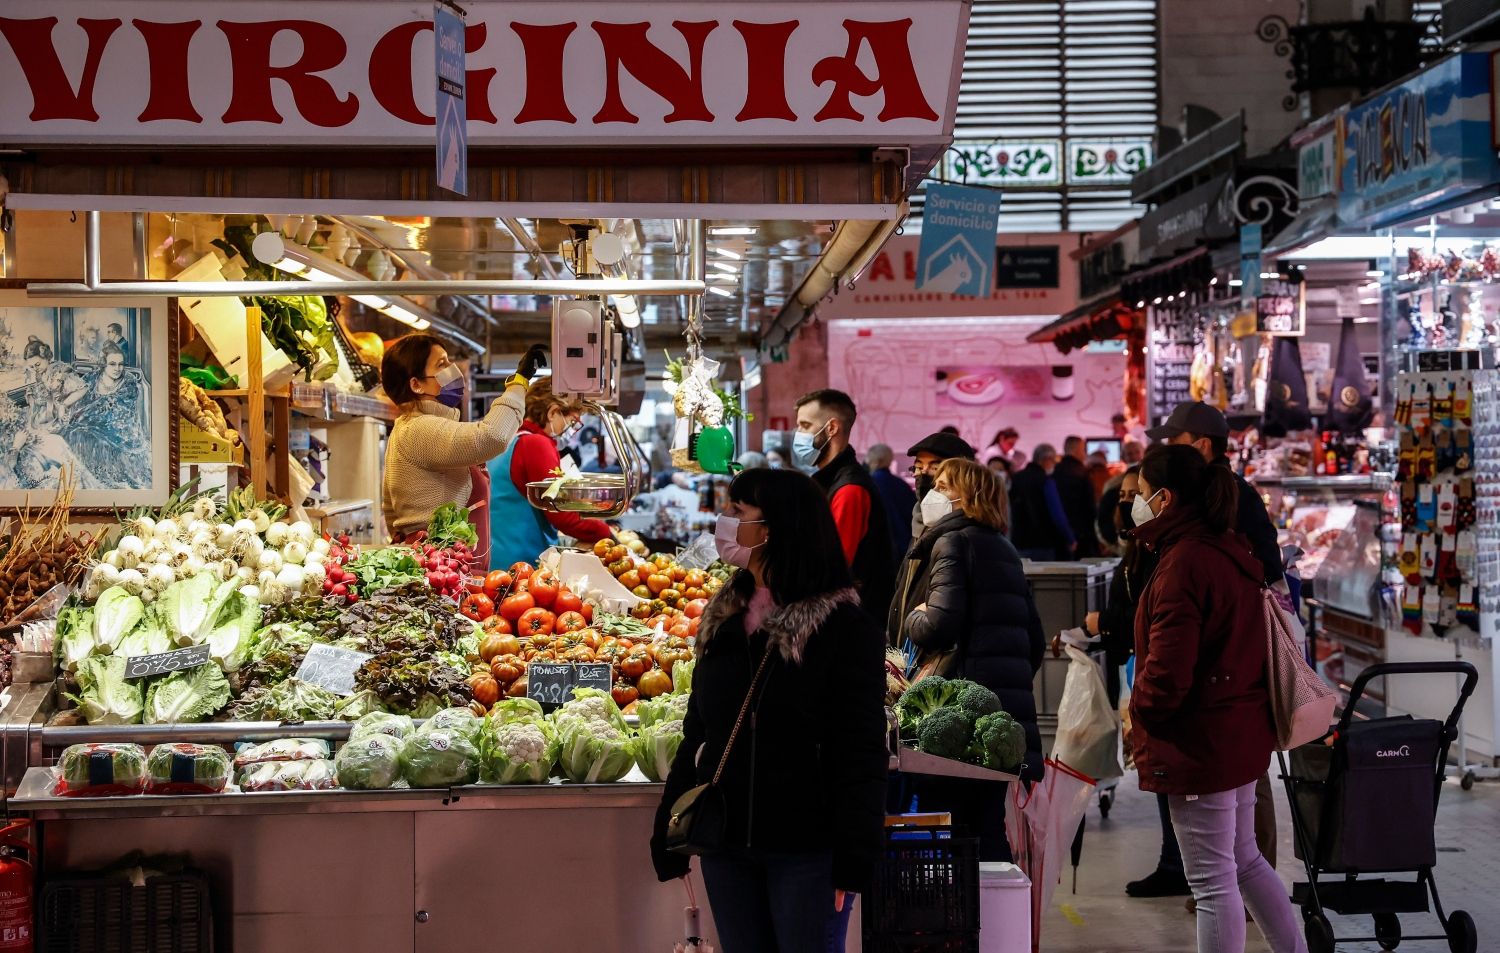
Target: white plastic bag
1088,730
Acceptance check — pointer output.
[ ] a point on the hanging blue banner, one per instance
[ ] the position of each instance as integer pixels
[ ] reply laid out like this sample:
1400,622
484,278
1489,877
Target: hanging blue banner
957,253
451,113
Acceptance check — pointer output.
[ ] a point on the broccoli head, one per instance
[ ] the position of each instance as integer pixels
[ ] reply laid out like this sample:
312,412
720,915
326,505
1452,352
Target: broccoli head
999,742
975,699
946,733
921,700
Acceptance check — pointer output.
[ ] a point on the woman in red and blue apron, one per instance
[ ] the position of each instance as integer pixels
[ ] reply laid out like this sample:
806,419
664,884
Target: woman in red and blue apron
518,531
432,457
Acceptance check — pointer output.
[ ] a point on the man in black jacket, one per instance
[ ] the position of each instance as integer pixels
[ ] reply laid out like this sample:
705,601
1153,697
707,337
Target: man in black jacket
1039,527
1204,427
1076,489
825,419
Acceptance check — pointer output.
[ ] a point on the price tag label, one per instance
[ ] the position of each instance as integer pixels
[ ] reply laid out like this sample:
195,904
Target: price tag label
552,684
165,663
331,668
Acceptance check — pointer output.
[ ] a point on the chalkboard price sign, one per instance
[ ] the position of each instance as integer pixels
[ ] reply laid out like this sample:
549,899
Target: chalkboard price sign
165,663
331,668
552,684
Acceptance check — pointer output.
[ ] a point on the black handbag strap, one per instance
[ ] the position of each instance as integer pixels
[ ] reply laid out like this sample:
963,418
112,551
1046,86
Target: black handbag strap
744,709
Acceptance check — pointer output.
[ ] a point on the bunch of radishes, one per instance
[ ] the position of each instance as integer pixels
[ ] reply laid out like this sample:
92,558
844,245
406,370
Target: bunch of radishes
447,568
338,582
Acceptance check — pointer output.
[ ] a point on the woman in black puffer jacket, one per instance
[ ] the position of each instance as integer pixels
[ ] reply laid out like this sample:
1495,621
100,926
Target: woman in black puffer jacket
963,590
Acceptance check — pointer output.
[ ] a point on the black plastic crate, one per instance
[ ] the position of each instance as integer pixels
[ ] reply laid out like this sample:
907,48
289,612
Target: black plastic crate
926,893
172,913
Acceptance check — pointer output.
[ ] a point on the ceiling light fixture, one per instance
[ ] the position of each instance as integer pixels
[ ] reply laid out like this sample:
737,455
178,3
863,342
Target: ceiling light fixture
721,292
726,267
732,230
727,253
630,313
1236,283
271,249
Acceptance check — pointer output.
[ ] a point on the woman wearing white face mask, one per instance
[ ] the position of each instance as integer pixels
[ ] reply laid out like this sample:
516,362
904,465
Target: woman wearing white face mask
804,782
1201,725
432,457
519,530
964,609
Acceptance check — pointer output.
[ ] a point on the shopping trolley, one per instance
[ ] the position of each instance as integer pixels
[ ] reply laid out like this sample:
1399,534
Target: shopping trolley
1344,795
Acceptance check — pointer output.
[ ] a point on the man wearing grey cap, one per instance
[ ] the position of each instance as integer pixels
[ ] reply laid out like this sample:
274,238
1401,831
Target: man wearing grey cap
1204,428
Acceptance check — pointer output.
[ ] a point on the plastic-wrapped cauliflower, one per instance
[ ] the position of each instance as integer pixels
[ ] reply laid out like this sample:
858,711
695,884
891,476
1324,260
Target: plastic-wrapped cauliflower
655,747
460,720
381,723
654,711
438,759
521,752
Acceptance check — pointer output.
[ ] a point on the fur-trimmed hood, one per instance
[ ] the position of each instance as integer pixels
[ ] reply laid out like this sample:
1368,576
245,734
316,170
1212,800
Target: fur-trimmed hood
787,627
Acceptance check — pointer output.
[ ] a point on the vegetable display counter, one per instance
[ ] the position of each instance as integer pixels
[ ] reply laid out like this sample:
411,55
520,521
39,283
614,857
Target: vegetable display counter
391,871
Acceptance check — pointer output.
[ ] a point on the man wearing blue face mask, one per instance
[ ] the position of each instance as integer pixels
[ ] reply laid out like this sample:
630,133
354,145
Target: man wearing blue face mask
820,447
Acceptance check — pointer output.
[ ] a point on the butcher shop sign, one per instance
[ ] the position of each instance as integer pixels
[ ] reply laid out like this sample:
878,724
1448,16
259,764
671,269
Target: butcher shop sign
278,72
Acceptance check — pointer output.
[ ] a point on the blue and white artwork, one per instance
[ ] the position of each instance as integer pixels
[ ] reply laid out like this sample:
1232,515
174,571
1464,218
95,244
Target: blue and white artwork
1418,145
82,390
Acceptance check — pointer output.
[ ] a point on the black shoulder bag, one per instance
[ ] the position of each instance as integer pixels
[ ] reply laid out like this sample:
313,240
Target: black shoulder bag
700,817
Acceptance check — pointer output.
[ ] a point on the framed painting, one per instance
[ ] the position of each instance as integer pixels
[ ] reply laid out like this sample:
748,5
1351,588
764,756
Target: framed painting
87,387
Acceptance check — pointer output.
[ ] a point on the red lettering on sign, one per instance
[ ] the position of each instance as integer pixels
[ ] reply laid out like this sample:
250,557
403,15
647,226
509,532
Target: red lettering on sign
477,81
880,269
167,54
52,95
909,259
391,79
626,45
765,70
895,73
390,73
250,99
543,47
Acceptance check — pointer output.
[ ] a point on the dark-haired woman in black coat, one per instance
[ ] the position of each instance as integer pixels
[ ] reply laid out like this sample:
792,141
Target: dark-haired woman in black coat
963,591
804,783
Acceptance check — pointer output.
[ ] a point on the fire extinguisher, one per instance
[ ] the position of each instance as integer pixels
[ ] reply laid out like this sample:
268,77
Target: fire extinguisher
17,889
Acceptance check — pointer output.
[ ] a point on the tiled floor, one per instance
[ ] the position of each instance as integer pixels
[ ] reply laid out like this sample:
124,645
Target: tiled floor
1099,918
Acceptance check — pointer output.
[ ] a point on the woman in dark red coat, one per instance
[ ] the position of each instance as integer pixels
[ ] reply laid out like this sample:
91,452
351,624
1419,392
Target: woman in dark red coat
1201,708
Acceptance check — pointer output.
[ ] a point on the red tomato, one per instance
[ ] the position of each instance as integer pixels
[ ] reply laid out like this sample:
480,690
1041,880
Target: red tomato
497,583
522,570
681,630
499,624
536,622
588,613
514,606
695,608
478,607
571,622
567,602
544,587
693,625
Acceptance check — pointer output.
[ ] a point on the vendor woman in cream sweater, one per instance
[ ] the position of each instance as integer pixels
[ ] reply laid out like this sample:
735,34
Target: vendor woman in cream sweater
433,457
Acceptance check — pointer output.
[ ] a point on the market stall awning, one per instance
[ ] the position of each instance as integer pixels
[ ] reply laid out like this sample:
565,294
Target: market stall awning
1098,321
1190,270
1317,220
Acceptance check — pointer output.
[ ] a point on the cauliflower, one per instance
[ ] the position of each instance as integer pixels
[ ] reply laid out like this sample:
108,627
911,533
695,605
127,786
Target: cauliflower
520,752
593,752
593,707
652,711
921,700
975,699
946,733
655,748
999,742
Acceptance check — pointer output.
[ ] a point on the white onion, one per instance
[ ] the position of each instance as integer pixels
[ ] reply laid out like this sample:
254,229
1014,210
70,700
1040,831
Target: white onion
131,546
250,592
315,571
108,572
148,595
205,508
292,577
273,593
270,559
165,559
303,532
294,552
244,574
95,587
132,581
260,520
244,528
160,577
314,559
265,578
250,550
167,530
192,566
113,559
321,546
142,526
276,534
224,535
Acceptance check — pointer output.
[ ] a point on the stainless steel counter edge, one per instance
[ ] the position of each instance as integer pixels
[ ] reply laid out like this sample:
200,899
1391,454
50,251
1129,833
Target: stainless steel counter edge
44,807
